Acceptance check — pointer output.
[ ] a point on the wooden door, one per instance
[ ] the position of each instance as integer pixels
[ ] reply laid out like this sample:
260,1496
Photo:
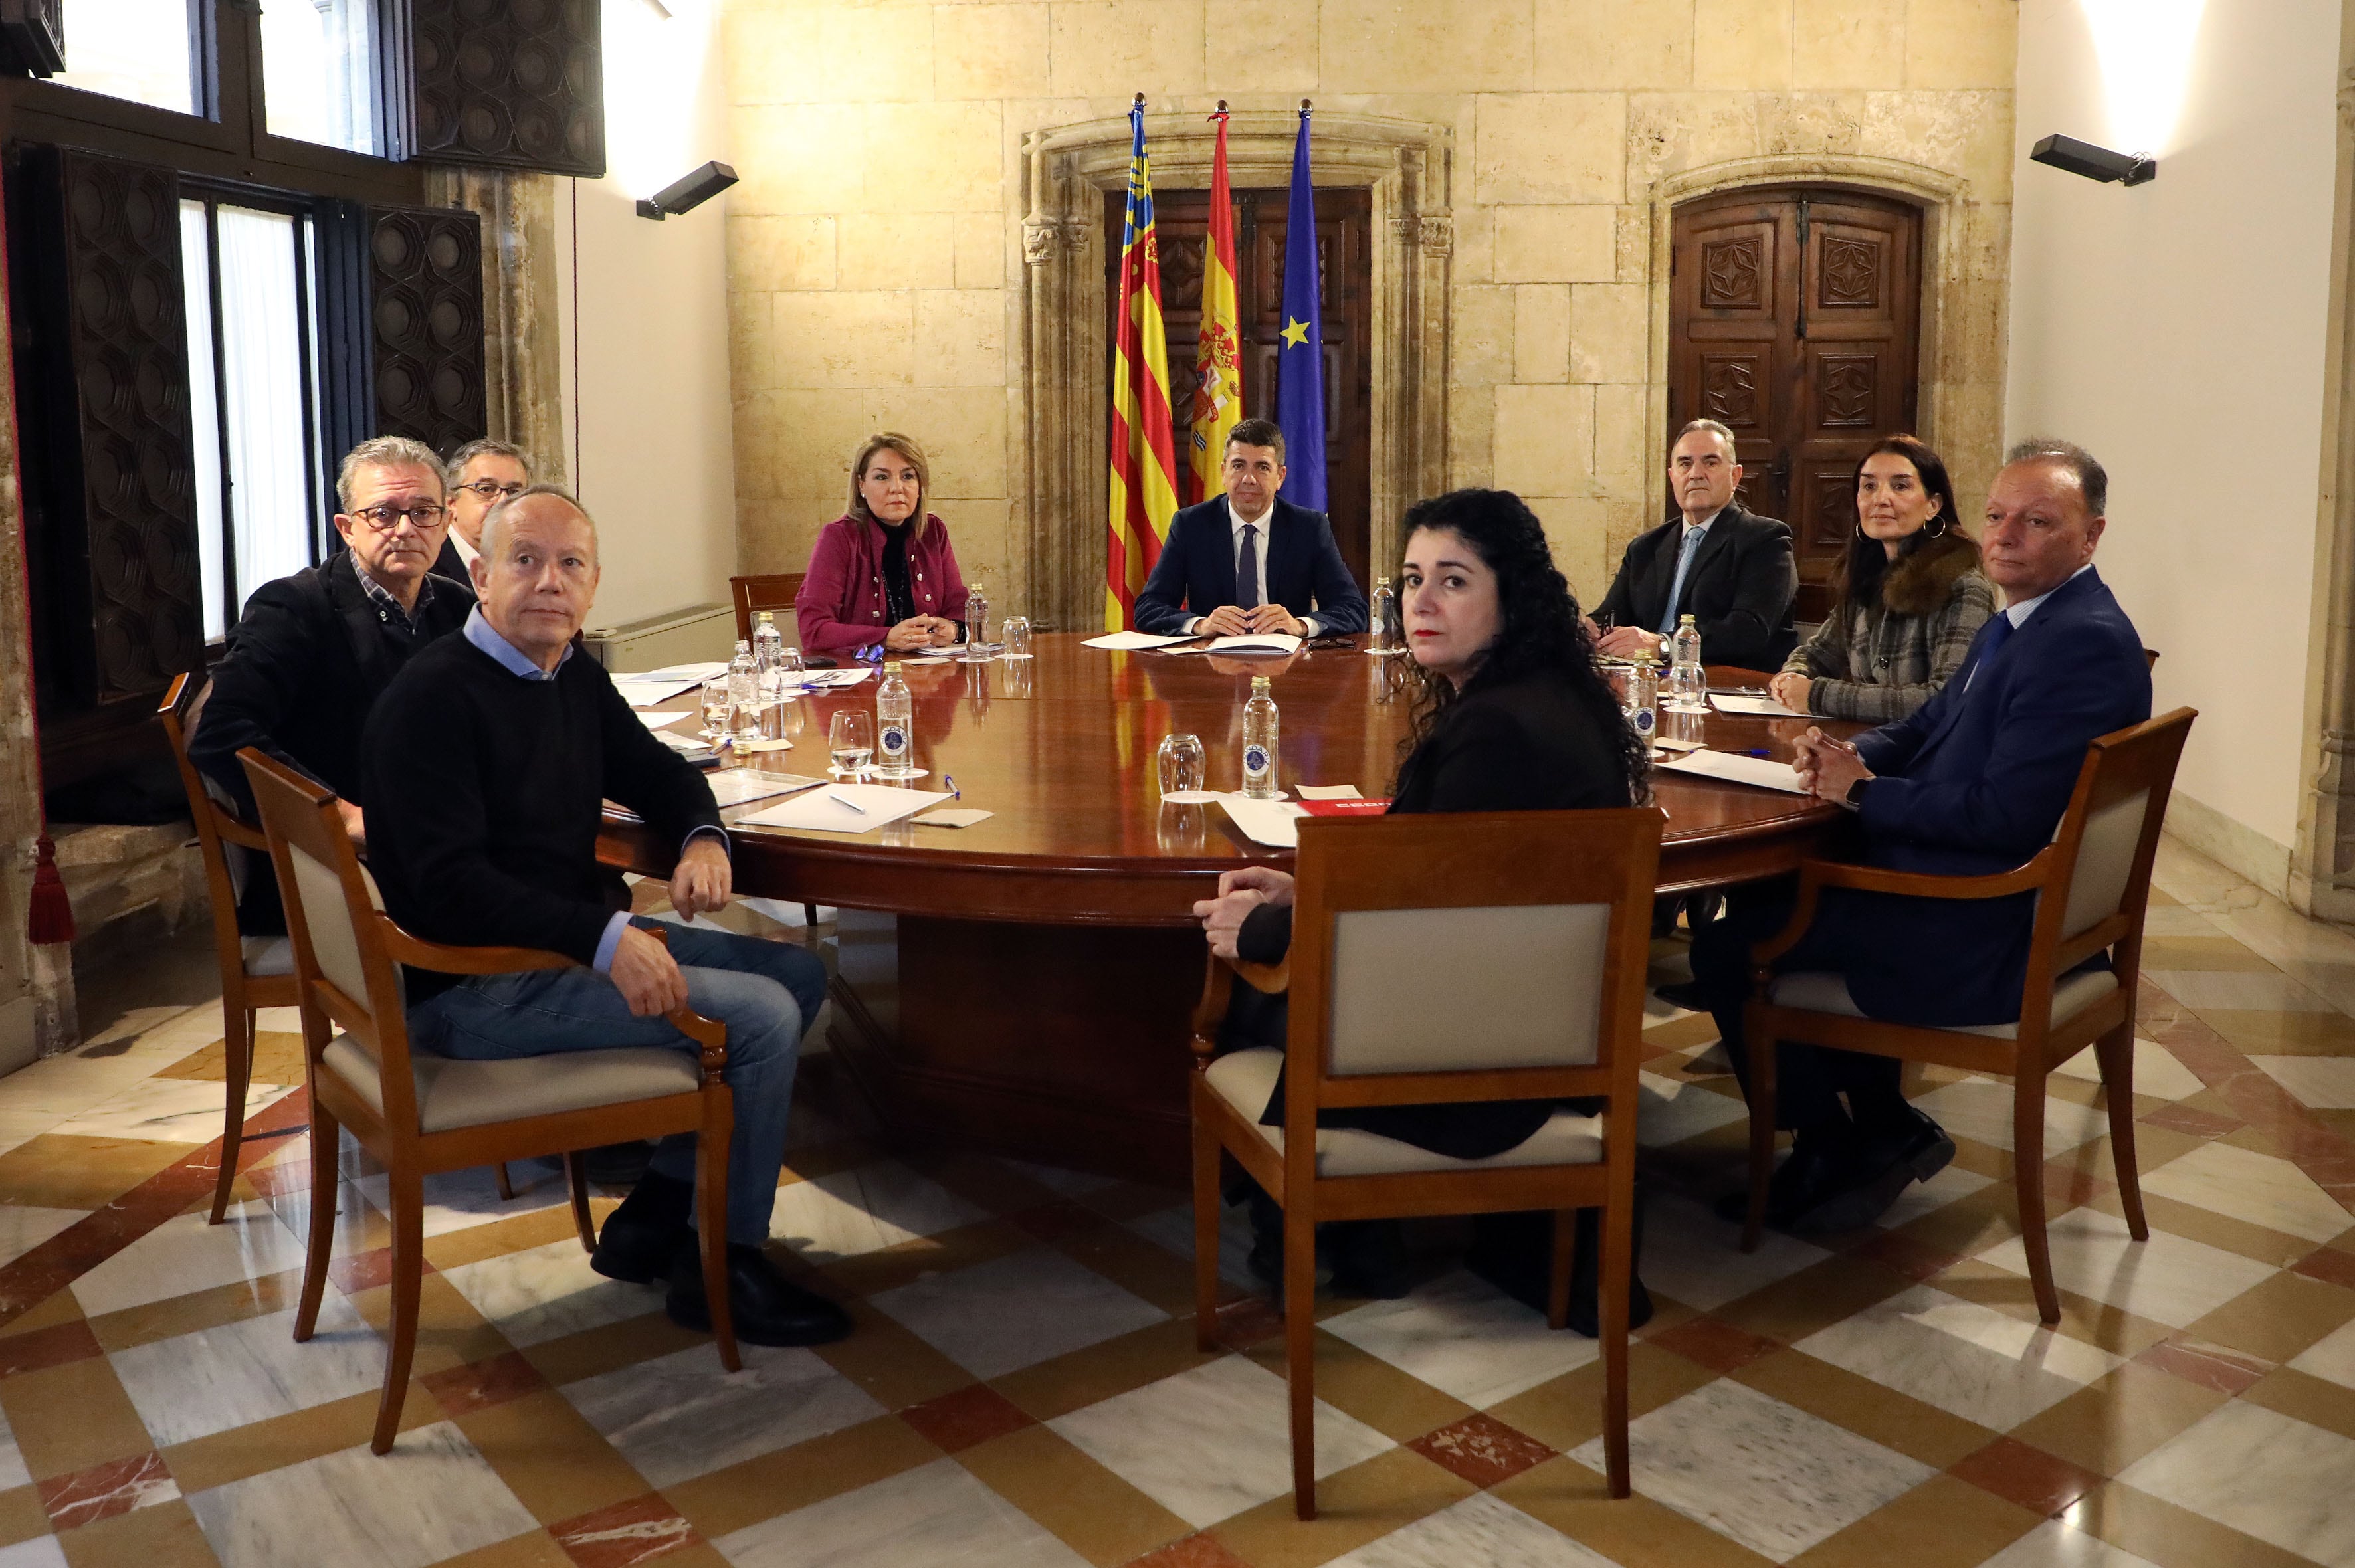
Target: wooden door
1795,320
1344,262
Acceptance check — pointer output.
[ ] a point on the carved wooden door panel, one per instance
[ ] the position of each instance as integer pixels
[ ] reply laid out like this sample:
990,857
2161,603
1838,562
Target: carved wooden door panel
1344,236
1795,320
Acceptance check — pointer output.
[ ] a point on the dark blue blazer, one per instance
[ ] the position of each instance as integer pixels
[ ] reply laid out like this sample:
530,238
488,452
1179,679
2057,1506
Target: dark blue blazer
1195,573
1975,782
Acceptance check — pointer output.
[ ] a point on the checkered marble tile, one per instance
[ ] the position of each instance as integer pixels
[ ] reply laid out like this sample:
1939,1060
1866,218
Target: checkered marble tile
1032,1395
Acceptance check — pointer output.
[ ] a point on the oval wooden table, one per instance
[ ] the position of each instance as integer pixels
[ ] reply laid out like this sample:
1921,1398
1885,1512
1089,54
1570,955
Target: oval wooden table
1024,985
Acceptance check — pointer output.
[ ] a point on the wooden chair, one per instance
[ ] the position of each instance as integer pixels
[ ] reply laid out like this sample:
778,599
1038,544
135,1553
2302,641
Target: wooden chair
422,1115
1474,956
2093,882
774,592
256,972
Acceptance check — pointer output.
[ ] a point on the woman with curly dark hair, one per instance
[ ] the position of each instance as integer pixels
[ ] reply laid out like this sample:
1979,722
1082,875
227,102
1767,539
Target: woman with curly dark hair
1511,716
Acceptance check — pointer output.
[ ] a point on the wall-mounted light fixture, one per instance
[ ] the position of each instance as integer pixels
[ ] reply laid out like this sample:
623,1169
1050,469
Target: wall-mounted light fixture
2094,163
683,195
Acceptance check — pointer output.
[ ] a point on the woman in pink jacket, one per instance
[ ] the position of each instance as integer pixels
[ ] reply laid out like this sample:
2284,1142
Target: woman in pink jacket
882,572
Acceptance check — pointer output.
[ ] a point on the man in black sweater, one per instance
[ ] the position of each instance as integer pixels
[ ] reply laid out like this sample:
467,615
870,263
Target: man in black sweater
487,762
312,652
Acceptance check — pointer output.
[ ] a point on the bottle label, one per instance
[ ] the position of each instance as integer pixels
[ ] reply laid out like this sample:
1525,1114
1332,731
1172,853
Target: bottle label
1254,762
894,741
1644,719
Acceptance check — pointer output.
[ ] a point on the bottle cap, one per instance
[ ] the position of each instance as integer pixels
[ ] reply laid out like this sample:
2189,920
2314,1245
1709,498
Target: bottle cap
1684,620
1259,683
891,667
767,619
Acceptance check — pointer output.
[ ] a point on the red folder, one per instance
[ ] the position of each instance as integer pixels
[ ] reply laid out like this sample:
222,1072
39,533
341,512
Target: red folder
1345,807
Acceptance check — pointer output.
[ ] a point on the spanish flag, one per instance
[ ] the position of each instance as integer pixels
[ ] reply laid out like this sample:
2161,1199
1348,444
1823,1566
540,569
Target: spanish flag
1144,454
1217,353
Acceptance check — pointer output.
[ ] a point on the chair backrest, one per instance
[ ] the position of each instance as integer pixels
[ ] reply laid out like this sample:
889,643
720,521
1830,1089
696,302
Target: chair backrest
1507,945
776,592
335,913
218,824
2108,838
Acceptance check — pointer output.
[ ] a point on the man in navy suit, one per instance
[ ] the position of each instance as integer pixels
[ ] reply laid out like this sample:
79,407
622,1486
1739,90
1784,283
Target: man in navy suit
1974,782
1247,561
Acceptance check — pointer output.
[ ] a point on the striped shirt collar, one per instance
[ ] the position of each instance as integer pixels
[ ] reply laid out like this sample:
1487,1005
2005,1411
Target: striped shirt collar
387,604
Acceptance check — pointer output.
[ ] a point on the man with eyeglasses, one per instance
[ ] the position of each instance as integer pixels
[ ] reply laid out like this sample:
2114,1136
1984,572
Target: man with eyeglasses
482,474
314,651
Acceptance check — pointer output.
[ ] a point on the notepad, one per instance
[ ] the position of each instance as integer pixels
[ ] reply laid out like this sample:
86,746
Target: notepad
651,690
1753,705
1274,823
845,808
1759,771
1256,642
1128,642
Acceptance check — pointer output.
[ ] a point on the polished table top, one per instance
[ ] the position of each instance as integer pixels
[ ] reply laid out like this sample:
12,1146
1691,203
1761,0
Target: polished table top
1061,750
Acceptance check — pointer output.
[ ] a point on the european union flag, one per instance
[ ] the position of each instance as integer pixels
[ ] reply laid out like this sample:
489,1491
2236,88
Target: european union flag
1300,360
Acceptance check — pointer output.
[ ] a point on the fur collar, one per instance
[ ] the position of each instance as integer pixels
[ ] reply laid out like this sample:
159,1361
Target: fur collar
1918,584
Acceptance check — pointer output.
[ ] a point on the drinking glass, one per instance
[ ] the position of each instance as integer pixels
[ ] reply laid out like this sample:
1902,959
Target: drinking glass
1182,765
717,707
852,742
1014,632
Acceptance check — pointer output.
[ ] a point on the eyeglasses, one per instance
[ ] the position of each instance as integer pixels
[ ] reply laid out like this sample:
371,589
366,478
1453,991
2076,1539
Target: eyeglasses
384,519
492,490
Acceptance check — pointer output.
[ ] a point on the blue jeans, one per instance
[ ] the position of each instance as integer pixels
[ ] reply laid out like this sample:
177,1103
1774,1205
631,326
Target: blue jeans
765,992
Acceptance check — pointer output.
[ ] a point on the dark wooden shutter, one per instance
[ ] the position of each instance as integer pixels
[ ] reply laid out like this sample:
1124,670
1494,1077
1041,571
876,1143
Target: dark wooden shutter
114,486
501,83
33,37
425,309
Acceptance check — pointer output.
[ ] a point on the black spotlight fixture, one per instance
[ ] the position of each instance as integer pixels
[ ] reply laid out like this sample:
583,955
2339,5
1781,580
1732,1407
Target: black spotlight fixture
683,195
2095,163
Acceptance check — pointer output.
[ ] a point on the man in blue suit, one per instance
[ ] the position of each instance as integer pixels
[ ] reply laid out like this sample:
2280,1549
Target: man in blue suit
1247,561
1974,782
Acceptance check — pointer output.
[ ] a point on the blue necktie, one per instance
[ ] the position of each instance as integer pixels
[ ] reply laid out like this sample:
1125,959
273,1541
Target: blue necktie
1676,588
1991,643
1247,569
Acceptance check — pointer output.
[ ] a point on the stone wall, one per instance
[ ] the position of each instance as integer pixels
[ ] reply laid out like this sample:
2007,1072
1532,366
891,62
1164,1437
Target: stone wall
875,244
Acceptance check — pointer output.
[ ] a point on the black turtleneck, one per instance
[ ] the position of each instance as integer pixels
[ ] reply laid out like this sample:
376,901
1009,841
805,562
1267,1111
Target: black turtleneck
898,596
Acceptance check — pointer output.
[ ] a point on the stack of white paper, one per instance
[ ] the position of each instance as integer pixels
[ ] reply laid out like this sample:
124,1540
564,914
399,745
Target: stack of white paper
657,720
1257,642
1274,823
1131,641
1729,703
1760,771
825,680
647,691
695,672
843,808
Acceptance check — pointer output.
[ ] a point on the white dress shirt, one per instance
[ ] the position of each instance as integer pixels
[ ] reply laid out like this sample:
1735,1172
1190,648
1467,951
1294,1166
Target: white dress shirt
466,552
1265,522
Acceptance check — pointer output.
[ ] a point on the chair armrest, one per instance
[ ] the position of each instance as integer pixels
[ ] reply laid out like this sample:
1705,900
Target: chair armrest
1218,990
1814,876
404,948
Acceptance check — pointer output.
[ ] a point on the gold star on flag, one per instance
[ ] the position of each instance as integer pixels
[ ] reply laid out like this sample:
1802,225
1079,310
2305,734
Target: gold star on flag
1296,332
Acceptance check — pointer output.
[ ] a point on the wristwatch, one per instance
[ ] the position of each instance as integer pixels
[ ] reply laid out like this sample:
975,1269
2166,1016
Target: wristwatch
1855,797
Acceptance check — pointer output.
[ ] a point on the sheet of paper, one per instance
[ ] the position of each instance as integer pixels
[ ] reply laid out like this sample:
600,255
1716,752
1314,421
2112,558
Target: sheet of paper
1753,705
1274,823
734,786
961,817
1760,771
1257,642
843,808
688,746
1327,792
828,679
1670,744
1130,641
656,721
648,692
694,672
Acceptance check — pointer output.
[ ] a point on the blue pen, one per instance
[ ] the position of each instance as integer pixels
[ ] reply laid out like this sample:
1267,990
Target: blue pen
1758,752
950,780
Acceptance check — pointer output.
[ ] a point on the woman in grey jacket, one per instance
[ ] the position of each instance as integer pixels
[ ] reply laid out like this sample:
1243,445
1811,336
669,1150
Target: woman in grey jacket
1910,596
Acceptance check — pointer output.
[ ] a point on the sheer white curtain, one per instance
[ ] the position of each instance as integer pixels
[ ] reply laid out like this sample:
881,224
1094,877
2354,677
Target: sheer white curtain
262,362
204,414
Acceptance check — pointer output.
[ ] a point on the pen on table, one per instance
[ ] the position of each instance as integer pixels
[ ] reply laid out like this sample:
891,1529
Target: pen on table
950,780
839,800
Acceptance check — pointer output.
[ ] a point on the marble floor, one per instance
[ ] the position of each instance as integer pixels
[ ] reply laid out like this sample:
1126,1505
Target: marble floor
1023,1388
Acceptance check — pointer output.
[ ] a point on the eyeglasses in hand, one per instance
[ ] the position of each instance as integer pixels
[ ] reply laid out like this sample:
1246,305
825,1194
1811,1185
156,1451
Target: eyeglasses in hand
384,519
492,490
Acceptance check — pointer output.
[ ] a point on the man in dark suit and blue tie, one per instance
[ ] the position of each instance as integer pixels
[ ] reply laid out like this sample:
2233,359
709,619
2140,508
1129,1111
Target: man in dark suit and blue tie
1974,782
1248,561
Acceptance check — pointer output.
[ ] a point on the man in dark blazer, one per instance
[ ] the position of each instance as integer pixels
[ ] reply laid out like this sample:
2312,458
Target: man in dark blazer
1729,568
314,651
1975,782
1248,561
482,474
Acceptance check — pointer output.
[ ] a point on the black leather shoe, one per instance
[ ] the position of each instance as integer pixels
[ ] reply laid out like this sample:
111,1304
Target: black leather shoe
1875,1172
1690,995
768,1308
1810,1174
639,1239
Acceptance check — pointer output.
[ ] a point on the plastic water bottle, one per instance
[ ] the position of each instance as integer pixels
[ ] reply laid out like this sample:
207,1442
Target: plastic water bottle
745,688
895,727
1644,696
1381,615
1259,742
976,620
767,643
1688,686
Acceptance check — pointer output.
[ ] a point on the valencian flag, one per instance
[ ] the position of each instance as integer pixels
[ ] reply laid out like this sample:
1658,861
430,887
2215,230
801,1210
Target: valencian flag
1144,454
1300,360
1218,360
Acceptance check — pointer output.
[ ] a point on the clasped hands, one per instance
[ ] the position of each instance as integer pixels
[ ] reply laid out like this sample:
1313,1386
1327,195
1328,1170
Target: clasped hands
1241,891
1624,642
1829,768
642,970
1234,620
921,632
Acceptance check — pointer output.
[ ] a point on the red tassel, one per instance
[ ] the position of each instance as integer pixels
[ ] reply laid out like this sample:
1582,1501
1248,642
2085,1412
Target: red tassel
52,919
